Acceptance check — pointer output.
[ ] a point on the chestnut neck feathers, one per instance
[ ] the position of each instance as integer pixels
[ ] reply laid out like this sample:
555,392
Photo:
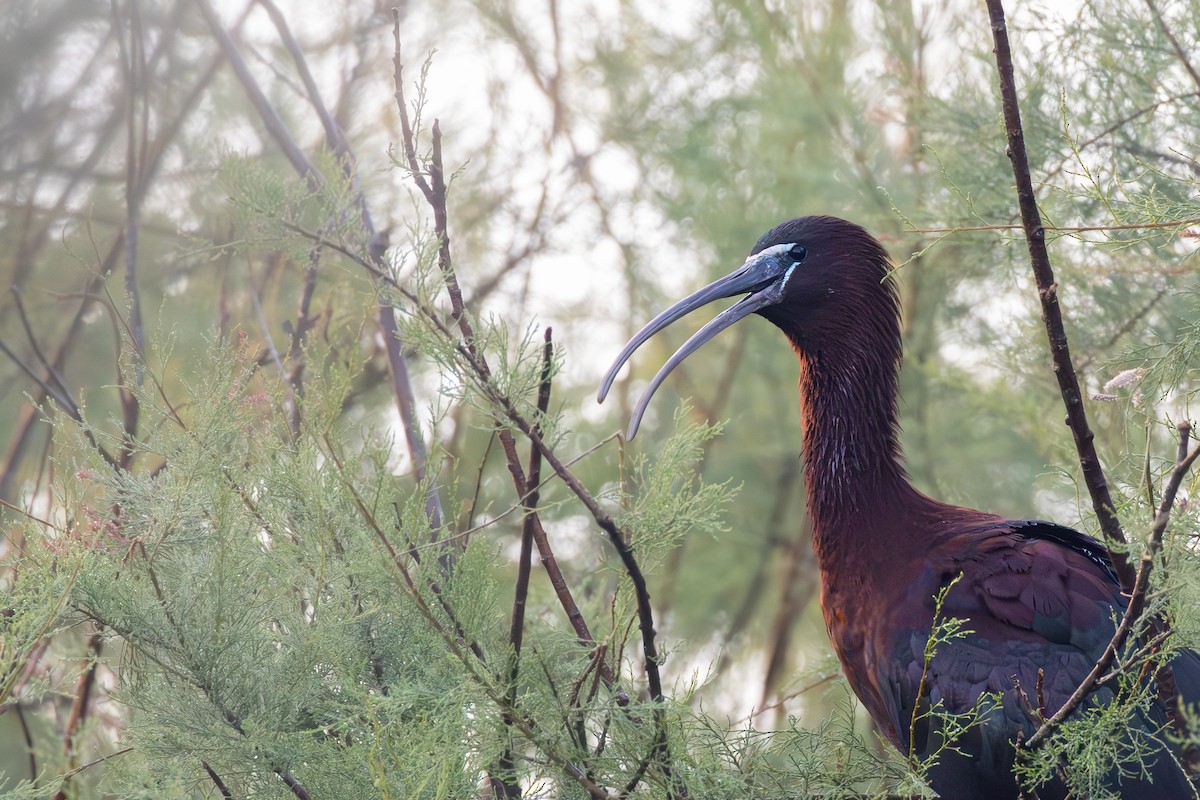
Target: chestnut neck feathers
849,350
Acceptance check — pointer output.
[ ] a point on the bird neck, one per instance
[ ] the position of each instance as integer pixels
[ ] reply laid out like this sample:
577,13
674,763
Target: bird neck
852,455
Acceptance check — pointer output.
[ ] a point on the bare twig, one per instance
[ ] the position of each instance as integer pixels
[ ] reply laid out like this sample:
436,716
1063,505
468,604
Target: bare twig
51,370
216,779
81,704
435,192
1035,234
504,779
407,135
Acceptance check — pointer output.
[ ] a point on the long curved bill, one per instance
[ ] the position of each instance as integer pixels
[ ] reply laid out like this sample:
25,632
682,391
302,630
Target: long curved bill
764,276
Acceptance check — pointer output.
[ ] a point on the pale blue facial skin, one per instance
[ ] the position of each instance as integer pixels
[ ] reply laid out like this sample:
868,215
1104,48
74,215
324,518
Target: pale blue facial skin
771,266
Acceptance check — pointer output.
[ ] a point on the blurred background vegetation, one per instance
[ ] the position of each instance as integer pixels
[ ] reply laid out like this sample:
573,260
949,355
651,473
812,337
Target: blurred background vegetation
607,157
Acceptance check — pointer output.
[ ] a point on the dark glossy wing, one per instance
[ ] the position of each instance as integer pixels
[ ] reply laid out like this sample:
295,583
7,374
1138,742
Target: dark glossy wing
1036,596
1042,579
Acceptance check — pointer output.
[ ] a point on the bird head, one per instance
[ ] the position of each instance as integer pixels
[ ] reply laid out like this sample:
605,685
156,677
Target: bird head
822,280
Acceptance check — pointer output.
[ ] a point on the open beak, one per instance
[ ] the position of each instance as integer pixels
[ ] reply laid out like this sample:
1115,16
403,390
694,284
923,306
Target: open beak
764,276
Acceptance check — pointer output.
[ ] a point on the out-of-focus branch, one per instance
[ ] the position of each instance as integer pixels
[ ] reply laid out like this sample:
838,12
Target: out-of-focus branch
334,134
1179,51
133,64
79,706
798,584
28,415
1116,126
61,391
136,140
1178,224
377,243
270,117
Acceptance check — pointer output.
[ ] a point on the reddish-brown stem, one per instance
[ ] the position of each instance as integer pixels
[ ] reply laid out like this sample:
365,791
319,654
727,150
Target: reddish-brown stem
81,705
25,733
504,778
1137,599
530,502
1135,584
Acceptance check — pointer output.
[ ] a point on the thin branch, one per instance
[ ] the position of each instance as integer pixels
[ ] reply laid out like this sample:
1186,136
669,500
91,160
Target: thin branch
81,705
216,779
792,695
1035,235
1179,51
270,117
334,134
1125,328
30,749
1132,612
51,369
1130,226
53,392
1116,126
504,778
305,320
1137,599
407,137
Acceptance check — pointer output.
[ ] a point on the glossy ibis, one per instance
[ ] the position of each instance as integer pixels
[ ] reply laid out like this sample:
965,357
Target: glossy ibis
1038,597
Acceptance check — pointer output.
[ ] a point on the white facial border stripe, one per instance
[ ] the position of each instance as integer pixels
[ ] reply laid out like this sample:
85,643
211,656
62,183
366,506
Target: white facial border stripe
773,250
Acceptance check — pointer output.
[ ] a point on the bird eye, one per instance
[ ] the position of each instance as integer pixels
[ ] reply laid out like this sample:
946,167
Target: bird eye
798,253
